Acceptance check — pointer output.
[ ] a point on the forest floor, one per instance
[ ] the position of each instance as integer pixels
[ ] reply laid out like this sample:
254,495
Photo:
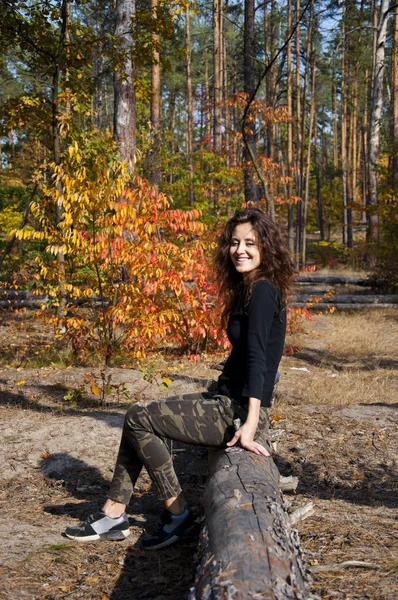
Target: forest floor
335,419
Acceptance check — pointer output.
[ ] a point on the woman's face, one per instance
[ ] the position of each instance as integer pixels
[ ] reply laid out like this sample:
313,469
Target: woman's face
244,250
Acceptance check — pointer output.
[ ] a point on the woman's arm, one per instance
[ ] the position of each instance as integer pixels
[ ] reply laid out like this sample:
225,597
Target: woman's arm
246,433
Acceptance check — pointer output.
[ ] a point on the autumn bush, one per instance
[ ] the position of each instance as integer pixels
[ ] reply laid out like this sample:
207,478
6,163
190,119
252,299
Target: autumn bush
122,268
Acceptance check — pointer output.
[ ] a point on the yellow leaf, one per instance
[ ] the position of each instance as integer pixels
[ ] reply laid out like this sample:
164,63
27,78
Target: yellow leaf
95,389
22,382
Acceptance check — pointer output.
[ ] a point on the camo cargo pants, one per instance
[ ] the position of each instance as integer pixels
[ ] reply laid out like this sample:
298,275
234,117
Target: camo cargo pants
201,419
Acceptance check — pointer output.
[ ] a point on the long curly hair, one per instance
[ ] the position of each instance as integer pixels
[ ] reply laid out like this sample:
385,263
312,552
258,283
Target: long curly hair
276,265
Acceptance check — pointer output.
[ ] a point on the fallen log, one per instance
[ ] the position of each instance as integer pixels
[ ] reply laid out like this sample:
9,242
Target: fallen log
339,280
247,548
348,298
340,306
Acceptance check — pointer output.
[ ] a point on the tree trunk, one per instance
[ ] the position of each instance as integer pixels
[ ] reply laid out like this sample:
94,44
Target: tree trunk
270,81
207,101
393,163
56,138
312,33
334,125
98,79
189,106
125,102
217,75
156,174
290,223
249,54
299,145
374,137
318,186
300,204
347,212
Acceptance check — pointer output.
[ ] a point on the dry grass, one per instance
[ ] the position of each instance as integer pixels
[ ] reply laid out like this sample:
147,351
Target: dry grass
351,359
366,334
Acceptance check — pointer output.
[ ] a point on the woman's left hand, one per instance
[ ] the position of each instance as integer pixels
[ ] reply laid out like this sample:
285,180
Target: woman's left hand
245,435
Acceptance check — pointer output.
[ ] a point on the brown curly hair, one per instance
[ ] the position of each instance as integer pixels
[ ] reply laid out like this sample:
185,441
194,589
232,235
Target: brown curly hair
276,265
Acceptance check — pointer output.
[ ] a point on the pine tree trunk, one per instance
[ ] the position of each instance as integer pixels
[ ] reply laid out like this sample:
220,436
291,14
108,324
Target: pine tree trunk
374,137
347,229
299,145
393,163
125,102
207,101
318,186
98,77
156,174
217,76
270,83
300,204
248,87
312,34
172,121
56,138
189,106
290,223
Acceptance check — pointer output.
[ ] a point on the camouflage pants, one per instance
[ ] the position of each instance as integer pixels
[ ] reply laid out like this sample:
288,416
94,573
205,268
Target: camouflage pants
201,419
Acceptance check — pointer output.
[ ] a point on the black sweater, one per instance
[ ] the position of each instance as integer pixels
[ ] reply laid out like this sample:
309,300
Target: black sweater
257,334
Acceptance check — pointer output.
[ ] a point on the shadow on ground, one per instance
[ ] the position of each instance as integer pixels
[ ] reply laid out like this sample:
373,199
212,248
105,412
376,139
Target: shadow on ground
377,486
325,359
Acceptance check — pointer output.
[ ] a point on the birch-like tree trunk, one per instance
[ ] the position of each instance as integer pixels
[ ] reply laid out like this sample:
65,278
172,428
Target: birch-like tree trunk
125,102
374,136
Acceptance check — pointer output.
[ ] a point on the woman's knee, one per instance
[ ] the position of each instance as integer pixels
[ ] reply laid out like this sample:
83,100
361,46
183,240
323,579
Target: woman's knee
136,415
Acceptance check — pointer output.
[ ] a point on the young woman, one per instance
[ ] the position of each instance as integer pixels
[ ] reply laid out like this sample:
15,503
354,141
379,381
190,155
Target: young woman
254,272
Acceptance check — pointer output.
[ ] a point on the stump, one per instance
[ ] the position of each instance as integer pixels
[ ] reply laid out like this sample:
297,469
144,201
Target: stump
247,547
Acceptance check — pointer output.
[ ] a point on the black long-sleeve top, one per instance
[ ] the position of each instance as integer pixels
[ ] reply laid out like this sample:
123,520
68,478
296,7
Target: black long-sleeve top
257,334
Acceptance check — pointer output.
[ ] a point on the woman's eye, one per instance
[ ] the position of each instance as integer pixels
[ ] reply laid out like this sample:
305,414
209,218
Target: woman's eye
234,243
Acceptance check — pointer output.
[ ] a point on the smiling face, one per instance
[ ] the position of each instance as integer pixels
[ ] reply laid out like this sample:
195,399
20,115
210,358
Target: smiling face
243,249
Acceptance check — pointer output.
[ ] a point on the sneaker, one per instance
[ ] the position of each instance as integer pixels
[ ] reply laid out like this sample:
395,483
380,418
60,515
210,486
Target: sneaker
99,527
171,528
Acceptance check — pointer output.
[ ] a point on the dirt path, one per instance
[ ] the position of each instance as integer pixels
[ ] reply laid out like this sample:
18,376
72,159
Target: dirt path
58,453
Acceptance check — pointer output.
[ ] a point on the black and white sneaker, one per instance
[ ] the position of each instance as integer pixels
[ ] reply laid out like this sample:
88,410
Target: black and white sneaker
99,527
171,528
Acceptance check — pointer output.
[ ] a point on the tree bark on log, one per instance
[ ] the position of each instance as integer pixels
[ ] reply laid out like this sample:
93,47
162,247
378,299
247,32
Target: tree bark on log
247,548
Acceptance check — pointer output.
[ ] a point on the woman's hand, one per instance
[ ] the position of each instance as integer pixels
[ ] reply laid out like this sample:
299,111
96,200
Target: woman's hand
245,435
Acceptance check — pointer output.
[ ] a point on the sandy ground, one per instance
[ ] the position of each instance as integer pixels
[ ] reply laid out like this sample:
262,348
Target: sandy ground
59,445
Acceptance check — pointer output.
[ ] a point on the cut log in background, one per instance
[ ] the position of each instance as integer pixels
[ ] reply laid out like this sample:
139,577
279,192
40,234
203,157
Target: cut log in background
247,548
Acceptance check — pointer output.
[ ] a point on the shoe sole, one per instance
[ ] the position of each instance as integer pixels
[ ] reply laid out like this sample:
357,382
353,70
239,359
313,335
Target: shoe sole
188,533
110,536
